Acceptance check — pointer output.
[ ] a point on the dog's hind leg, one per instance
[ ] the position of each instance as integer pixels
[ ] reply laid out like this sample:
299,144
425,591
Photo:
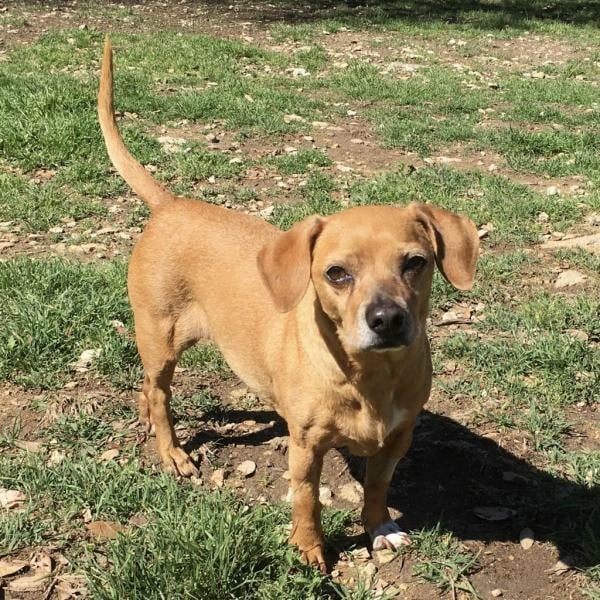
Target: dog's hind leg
160,349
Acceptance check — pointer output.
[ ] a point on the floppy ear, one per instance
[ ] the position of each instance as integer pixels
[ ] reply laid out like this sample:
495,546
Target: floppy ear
455,243
285,262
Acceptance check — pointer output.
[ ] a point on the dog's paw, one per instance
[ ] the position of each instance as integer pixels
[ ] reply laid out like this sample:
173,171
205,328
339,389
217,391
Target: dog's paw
315,557
389,536
180,464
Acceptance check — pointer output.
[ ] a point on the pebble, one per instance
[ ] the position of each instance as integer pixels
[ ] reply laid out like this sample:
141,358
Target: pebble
569,278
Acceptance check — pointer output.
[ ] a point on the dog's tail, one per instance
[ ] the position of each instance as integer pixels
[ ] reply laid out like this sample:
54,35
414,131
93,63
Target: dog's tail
130,169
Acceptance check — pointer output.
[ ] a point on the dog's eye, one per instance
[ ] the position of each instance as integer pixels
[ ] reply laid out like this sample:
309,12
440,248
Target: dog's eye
338,275
414,264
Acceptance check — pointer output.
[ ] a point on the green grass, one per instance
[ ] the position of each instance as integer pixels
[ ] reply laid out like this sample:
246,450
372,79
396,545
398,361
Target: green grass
442,560
56,309
522,370
301,161
38,207
194,543
53,311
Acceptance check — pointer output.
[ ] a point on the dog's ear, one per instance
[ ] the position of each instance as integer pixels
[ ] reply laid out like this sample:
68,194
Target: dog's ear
285,262
455,243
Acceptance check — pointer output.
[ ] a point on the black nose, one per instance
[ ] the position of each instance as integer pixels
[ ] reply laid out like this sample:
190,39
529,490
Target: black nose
385,317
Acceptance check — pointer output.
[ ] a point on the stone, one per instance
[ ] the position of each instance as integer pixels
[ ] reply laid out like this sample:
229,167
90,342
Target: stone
569,278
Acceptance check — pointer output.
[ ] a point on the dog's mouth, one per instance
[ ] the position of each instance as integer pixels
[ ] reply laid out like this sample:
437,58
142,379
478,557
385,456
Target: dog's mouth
385,344
392,342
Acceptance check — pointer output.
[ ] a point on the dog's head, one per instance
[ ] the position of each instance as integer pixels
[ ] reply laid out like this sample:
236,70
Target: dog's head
371,268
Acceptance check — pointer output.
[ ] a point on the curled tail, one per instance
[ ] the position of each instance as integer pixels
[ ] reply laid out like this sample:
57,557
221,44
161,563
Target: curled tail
131,170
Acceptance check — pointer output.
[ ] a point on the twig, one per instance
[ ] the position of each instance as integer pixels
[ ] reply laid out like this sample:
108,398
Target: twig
52,583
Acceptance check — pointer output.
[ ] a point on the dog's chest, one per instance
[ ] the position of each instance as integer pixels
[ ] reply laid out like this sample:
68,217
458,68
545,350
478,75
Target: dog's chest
364,426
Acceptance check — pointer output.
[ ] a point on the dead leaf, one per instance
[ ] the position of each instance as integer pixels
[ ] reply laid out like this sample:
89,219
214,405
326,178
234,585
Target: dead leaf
29,583
29,446
41,570
562,566
494,513
87,515
11,499
139,520
109,455
70,586
349,493
56,457
10,567
105,529
247,468
526,538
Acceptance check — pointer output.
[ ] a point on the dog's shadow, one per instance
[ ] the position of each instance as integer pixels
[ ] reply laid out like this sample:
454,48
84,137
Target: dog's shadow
450,471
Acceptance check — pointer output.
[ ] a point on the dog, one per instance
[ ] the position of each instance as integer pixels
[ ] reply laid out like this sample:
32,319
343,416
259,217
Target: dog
326,321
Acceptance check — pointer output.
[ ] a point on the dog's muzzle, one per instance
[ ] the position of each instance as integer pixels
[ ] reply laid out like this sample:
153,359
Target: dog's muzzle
390,322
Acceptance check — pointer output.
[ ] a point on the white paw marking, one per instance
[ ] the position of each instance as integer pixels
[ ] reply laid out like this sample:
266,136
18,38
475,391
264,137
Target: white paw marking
389,534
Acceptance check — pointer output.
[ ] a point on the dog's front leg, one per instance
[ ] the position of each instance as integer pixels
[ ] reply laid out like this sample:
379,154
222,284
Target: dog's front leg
376,518
306,463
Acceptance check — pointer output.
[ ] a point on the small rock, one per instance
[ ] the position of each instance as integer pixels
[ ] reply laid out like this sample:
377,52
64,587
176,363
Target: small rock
543,217
578,334
569,278
367,573
56,230
593,219
86,358
70,385
293,118
218,477
290,150
526,538
265,213
170,144
538,75
361,554
385,556
298,72
325,495
247,468
11,499
496,593
552,190
56,457
212,137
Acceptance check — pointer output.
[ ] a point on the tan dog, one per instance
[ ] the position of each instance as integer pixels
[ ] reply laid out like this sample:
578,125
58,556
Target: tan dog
326,321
